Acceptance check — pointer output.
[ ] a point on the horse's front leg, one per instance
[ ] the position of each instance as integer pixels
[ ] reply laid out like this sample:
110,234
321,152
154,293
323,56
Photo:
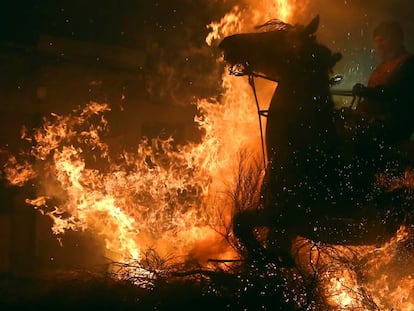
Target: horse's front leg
244,225
278,249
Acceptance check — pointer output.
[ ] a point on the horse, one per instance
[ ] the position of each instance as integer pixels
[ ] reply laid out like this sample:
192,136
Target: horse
309,187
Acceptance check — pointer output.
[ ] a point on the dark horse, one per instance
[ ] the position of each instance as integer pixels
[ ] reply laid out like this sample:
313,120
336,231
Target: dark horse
309,187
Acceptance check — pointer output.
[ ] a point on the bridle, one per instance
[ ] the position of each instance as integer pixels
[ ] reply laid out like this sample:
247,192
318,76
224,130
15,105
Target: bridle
238,71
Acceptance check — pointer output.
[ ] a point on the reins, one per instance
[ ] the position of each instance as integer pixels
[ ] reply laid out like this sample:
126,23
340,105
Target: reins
264,112
260,113
241,71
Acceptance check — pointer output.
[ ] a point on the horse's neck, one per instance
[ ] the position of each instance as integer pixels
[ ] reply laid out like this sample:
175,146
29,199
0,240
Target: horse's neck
305,95
300,117
301,139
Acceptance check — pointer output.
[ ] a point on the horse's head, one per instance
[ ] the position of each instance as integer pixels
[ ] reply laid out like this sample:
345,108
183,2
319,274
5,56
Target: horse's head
279,49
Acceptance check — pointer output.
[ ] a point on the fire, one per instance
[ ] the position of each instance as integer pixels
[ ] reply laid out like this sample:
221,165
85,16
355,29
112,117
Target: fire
170,198
361,277
144,199
160,197
252,13
349,278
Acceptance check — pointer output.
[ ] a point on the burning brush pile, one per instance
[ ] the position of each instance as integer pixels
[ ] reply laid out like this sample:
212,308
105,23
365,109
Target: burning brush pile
166,235
164,211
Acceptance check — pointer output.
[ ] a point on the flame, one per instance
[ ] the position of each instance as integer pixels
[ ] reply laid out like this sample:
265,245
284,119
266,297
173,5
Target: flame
157,197
362,277
162,197
349,278
170,198
252,13
18,173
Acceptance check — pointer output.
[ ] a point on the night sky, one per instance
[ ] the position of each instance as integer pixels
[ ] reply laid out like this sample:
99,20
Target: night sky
345,25
119,22
126,22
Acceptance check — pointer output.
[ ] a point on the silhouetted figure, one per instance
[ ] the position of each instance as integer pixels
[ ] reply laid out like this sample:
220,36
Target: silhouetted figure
388,105
306,189
384,119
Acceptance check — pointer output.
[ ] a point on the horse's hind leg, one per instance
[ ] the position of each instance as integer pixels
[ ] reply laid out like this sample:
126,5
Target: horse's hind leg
244,225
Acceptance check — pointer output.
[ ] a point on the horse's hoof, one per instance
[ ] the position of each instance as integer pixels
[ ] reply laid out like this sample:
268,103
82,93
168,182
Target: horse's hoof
281,259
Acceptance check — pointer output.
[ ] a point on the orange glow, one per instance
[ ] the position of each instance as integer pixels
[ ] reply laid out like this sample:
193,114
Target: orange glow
159,197
18,173
172,199
253,13
349,278
362,277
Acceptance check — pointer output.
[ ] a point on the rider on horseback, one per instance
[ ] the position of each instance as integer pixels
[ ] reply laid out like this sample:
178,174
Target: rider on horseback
308,188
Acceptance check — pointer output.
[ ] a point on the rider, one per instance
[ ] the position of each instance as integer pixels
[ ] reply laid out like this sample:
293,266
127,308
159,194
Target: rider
388,100
384,119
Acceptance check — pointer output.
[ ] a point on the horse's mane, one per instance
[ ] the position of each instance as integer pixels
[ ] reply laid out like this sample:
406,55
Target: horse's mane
273,24
266,50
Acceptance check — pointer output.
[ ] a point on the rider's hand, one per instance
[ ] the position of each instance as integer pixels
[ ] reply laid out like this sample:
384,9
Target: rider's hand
359,90
347,113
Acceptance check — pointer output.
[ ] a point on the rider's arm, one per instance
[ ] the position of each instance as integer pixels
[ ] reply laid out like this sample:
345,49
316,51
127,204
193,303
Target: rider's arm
399,94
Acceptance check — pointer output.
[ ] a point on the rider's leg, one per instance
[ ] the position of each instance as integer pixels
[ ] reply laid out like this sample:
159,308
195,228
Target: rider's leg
368,157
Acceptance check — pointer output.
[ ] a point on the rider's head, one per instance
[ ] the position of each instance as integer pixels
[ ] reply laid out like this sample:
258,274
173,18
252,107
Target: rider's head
388,40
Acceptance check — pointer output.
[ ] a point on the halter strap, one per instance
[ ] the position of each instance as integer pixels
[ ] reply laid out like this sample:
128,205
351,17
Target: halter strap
260,113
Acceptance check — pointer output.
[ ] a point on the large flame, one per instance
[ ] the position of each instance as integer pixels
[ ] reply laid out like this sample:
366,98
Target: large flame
171,198
166,197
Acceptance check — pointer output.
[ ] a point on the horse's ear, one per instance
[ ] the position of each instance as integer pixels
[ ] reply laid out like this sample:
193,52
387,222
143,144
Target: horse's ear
312,27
